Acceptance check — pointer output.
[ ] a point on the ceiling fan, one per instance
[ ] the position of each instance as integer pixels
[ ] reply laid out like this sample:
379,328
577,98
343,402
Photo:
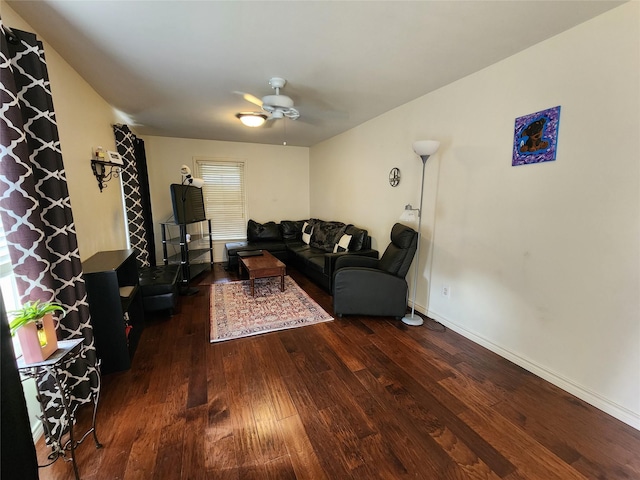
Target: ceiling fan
276,106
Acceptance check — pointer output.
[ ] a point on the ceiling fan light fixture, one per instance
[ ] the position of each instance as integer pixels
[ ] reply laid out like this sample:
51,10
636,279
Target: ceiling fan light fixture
251,119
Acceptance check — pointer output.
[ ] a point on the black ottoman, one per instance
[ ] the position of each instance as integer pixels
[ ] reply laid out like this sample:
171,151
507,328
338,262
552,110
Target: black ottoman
159,287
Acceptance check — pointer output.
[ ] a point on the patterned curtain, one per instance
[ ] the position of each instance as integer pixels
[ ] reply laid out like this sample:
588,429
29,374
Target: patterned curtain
36,212
136,194
145,194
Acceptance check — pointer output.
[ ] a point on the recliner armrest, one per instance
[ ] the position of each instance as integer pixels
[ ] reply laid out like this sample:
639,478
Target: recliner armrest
350,260
331,259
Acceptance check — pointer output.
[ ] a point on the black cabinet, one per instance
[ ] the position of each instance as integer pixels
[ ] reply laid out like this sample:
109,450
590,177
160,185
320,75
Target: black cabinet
189,245
115,303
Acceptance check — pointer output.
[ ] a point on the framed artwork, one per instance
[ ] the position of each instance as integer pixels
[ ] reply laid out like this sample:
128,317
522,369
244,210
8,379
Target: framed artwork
536,137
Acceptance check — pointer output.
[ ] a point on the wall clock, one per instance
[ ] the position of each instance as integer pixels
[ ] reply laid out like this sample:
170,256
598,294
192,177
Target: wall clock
394,177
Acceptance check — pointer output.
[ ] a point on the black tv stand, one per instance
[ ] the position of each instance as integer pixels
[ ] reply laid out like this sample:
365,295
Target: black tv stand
192,243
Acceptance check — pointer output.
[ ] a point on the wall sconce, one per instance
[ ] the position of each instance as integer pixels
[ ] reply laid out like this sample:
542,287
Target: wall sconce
251,119
106,167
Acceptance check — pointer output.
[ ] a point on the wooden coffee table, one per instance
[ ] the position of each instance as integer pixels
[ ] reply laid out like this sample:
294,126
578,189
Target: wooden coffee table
262,266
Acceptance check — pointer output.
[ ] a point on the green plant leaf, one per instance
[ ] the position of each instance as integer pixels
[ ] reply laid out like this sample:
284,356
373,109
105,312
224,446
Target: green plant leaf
32,312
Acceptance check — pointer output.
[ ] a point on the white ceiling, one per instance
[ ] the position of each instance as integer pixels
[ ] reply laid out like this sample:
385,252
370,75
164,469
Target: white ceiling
172,66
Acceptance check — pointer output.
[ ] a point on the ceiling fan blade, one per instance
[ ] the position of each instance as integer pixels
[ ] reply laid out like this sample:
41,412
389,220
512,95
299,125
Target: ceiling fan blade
250,98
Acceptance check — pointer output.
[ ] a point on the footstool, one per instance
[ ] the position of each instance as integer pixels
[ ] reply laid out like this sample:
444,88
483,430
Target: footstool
159,287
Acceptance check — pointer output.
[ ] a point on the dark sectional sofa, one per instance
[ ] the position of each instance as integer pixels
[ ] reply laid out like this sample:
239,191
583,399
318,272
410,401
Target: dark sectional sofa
314,254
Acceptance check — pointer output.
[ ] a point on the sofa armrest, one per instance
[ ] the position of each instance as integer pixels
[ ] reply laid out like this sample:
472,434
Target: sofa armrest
361,258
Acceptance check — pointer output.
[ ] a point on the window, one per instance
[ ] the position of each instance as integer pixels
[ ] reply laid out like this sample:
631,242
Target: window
8,283
224,197
7,280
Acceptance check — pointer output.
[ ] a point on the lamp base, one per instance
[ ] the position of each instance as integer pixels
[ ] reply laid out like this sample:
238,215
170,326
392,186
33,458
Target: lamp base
413,320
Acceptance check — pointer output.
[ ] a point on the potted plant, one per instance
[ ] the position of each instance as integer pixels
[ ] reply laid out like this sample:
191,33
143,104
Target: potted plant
36,330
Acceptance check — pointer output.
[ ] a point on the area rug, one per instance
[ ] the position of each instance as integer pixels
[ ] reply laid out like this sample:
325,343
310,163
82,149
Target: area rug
235,313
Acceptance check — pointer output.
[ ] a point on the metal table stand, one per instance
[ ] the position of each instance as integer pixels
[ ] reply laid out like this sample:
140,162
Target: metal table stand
69,351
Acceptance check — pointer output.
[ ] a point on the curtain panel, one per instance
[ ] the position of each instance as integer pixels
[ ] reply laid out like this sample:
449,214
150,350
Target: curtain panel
36,212
136,194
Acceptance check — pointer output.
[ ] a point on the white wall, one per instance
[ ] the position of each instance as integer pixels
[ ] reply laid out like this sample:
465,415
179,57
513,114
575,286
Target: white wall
277,178
542,261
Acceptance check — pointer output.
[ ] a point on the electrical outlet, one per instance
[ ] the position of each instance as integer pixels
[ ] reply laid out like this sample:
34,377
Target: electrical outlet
446,291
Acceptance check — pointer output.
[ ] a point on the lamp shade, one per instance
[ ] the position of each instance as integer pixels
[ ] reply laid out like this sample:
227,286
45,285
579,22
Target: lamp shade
251,119
426,147
409,214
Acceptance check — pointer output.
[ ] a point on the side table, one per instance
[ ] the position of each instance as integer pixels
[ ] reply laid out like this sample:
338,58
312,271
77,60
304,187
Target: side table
69,351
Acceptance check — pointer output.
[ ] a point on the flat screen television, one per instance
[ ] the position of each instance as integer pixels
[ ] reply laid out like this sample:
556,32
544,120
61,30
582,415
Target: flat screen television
188,204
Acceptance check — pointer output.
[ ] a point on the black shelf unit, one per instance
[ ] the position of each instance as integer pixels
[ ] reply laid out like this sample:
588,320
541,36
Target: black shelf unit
190,252
115,303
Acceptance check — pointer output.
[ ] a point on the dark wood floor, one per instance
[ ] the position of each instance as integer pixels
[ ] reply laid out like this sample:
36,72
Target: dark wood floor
356,398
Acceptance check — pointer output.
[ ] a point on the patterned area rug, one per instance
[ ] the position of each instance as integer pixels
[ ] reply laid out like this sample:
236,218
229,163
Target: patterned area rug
235,313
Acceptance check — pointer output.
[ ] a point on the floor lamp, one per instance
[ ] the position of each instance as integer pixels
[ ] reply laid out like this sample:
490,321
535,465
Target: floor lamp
424,149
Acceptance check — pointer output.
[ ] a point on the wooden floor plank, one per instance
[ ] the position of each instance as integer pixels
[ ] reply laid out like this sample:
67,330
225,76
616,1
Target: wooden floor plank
193,449
414,447
598,446
143,453
355,398
275,390
531,458
303,456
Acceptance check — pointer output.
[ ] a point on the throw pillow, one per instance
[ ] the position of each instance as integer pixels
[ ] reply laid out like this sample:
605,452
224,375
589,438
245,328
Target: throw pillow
291,230
357,242
307,230
326,234
343,244
260,232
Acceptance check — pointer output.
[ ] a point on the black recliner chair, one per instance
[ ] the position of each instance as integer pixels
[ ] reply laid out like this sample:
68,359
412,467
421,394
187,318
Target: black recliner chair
368,286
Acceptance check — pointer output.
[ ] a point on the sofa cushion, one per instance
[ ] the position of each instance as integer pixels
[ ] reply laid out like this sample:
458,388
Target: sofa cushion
309,257
343,244
291,230
326,234
316,263
297,247
234,247
261,232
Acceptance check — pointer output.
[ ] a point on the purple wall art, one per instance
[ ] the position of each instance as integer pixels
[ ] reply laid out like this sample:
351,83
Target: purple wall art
536,137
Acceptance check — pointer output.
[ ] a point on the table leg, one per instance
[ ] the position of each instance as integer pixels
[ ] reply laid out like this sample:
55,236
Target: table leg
93,422
71,419
282,282
251,282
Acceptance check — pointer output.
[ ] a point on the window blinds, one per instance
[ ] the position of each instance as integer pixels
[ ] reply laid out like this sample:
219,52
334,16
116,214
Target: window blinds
224,198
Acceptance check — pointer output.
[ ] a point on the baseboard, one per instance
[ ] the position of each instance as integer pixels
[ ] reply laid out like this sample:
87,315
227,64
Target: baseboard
37,431
621,413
